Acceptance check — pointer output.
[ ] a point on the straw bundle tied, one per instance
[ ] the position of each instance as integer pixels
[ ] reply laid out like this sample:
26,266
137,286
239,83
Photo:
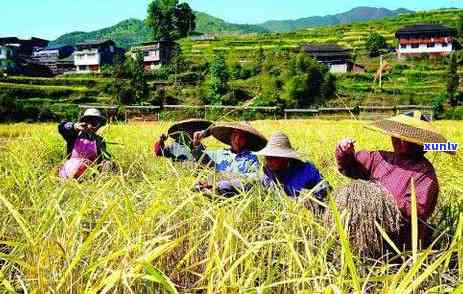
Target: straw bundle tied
366,203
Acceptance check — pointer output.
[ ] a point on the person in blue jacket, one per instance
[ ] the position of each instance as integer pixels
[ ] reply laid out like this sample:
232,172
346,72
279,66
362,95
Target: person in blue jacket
285,169
237,166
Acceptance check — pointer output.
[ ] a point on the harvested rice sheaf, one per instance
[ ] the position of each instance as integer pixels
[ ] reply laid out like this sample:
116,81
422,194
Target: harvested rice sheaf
366,202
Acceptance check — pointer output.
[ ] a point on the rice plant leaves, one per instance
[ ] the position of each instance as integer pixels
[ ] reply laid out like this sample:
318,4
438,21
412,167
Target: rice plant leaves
157,276
388,240
430,269
345,247
19,219
414,222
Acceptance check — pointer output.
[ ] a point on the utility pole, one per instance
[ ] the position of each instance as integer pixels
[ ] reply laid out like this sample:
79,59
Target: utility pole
381,71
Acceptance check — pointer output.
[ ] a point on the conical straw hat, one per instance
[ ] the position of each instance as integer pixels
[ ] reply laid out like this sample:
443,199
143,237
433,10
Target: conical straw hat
189,127
411,127
255,140
279,146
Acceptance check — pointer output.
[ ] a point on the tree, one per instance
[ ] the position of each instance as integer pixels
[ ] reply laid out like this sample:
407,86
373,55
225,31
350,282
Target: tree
170,20
137,78
118,77
260,60
453,80
328,88
460,25
374,44
304,79
129,82
217,85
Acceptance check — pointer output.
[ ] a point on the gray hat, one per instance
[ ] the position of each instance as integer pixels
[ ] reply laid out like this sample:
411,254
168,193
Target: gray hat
279,146
93,113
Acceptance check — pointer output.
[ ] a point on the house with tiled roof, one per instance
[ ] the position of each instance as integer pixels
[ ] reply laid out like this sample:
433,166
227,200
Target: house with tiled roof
421,39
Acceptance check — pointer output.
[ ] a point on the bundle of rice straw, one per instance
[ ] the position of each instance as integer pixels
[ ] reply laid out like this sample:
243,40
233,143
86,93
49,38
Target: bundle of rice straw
366,202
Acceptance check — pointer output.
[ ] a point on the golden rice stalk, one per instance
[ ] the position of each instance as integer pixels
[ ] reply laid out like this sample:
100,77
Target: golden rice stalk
366,202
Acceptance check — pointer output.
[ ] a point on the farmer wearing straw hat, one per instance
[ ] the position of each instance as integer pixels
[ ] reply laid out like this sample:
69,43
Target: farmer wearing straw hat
284,167
396,170
238,161
84,146
182,133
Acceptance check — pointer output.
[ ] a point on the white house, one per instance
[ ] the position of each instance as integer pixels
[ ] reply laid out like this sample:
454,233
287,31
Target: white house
155,54
90,56
420,39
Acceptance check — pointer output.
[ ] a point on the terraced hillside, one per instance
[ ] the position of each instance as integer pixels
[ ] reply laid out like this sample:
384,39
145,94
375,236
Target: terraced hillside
57,95
409,82
348,35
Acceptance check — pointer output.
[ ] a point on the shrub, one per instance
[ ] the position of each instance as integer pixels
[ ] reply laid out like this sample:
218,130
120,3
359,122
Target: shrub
454,113
328,87
374,44
438,104
160,74
186,77
304,79
217,84
399,68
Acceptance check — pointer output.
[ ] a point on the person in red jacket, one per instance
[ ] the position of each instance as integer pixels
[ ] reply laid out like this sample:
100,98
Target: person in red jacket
398,169
84,146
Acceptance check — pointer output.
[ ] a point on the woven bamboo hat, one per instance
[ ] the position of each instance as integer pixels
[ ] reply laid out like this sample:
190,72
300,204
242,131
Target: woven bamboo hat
188,127
93,113
279,146
412,127
255,140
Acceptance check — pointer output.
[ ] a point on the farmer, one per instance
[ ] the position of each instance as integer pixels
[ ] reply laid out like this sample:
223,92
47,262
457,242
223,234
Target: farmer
84,146
284,167
237,164
182,133
396,170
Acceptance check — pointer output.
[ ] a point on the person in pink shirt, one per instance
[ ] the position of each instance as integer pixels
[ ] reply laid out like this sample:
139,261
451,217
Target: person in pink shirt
397,170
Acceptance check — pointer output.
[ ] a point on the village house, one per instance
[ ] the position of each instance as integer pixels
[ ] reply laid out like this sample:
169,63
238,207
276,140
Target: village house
51,55
155,54
204,37
13,49
420,39
335,57
65,65
91,56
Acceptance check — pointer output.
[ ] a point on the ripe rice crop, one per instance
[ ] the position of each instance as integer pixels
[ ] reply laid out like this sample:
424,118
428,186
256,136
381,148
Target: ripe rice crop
143,230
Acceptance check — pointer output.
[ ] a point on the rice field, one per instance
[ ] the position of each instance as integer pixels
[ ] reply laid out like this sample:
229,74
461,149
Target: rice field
143,230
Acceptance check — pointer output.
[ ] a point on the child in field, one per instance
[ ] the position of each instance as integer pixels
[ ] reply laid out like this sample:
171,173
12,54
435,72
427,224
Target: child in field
236,166
284,168
182,133
84,146
396,170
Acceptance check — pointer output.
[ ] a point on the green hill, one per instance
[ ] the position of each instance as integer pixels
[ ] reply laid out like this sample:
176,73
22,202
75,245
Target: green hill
133,31
125,34
206,23
356,14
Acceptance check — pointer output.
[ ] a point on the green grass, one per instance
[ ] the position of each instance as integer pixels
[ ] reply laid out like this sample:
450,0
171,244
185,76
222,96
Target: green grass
29,91
143,230
74,82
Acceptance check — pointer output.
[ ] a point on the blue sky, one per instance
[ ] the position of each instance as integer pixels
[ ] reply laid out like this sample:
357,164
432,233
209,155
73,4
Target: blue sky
52,18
